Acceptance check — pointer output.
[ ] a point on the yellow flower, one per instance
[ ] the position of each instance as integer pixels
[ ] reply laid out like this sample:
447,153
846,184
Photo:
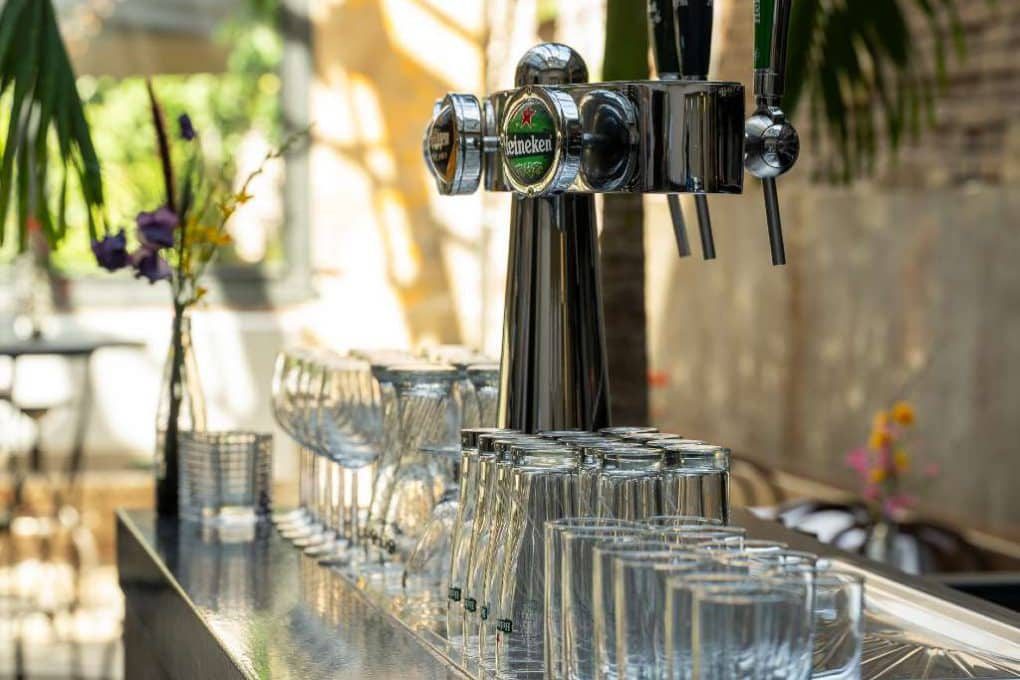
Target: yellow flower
903,413
879,440
880,421
901,461
876,476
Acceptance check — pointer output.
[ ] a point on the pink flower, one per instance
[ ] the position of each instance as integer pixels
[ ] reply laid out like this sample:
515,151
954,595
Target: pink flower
898,503
872,492
859,460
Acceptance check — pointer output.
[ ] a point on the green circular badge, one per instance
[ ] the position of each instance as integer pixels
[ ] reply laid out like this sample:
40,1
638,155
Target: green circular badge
529,141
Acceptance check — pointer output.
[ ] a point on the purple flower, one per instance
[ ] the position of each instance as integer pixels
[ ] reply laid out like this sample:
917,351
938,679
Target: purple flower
111,253
156,229
148,263
187,130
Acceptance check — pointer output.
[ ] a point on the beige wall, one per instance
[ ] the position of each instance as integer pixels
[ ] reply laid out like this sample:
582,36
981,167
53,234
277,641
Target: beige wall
906,286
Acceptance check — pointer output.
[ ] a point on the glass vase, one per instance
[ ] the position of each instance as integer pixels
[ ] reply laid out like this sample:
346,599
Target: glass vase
181,409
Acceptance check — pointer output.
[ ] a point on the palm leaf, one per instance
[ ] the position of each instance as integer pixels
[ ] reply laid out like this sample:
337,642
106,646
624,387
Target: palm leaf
35,67
859,66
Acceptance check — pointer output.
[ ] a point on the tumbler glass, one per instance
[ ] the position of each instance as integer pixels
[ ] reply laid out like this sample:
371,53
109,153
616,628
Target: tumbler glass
579,591
676,662
838,623
604,528
494,474
696,480
630,644
544,488
484,377
424,393
628,485
759,629
622,430
460,535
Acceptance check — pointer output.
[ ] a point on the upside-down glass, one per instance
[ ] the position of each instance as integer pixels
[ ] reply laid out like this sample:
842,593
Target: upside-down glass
484,377
460,534
544,488
838,622
494,466
696,480
554,531
427,419
757,629
629,483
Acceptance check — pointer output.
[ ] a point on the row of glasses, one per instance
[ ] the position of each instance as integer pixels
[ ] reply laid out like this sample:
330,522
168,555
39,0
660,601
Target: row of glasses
687,597
515,483
388,408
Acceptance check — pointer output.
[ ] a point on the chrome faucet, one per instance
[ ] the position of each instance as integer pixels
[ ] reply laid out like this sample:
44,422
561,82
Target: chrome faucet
556,140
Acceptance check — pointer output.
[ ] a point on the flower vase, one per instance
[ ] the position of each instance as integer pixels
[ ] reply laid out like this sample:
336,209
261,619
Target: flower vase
181,408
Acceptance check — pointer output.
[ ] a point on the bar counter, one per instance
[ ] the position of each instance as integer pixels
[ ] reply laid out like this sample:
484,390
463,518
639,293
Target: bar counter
202,604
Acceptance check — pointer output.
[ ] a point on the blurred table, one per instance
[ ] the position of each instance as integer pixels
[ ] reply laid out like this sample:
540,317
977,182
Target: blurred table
79,347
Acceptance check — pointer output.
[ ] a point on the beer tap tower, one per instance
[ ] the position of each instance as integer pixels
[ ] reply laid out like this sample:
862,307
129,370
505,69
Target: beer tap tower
556,140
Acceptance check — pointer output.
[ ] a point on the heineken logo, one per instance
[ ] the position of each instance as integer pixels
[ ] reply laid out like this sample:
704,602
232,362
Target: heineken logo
529,141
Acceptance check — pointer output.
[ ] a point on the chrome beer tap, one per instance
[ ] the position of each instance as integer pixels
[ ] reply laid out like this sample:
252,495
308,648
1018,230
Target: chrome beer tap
771,140
556,140
681,37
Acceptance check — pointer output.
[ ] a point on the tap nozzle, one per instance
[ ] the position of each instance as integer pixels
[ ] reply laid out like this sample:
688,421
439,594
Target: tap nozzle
771,143
682,47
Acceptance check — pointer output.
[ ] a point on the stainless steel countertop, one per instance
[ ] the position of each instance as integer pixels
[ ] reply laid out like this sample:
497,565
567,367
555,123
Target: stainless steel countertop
252,606
210,605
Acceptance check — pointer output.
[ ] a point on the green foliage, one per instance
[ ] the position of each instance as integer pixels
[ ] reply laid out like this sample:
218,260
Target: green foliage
224,107
857,67
626,54
40,101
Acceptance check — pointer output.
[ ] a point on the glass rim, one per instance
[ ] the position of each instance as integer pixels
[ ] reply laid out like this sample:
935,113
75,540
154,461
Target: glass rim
582,522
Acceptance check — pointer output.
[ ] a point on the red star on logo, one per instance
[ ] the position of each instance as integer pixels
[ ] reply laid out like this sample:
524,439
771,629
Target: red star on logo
526,116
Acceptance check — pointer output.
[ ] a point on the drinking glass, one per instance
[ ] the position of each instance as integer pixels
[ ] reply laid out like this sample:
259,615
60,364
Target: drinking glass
696,480
758,629
580,550
838,622
493,468
460,533
484,378
424,394
283,391
620,431
628,484
630,640
603,527
543,489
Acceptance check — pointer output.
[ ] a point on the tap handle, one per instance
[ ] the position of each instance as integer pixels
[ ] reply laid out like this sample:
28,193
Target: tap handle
665,44
454,144
693,28
771,35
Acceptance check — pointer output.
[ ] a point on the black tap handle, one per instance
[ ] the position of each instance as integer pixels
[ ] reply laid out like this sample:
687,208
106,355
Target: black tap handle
693,28
771,35
676,215
662,31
